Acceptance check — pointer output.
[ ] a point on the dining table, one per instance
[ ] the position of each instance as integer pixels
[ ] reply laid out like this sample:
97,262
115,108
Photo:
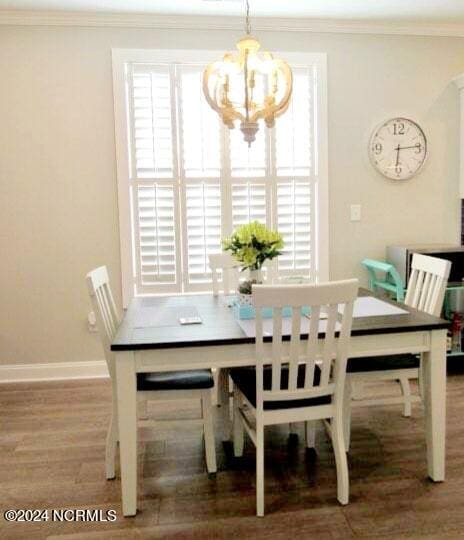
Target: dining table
151,338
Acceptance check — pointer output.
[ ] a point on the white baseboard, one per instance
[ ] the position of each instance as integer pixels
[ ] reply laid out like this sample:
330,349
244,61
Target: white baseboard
53,372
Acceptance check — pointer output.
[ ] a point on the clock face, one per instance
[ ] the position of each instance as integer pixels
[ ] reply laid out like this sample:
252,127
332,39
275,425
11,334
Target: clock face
398,148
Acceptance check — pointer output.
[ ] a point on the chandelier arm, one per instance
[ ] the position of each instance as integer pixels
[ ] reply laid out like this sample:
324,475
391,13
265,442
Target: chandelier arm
279,108
232,113
206,75
210,70
229,114
285,101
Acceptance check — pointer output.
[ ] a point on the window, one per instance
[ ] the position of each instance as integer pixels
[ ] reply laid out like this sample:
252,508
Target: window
185,181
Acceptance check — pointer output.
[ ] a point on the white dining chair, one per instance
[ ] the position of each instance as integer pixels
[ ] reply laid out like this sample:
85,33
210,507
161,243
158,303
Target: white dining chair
426,292
294,280
160,386
295,379
225,277
224,272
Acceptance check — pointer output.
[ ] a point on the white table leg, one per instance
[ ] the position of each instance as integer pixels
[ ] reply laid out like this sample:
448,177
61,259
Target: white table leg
434,372
224,400
127,413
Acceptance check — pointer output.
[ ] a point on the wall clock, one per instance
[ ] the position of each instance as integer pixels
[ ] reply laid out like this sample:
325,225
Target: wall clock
398,148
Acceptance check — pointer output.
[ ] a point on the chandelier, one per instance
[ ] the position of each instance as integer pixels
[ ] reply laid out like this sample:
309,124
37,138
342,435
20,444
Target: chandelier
248,86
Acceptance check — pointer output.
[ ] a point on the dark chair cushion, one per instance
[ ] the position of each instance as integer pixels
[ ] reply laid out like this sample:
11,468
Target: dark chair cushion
199,379
382,363
245,379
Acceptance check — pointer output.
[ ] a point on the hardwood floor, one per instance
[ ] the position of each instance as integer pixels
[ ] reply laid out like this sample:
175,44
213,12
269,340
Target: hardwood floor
52,456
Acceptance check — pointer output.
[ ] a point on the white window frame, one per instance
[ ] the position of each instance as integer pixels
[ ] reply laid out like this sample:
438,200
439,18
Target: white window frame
120,57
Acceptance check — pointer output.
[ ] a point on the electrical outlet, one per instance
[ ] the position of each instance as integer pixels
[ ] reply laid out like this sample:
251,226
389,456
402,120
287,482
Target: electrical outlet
355,212
92,322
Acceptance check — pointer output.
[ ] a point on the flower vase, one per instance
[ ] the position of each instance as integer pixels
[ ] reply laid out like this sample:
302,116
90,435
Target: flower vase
256,275
245,299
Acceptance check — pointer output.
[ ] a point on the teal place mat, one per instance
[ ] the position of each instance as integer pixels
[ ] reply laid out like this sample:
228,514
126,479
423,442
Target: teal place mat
249,312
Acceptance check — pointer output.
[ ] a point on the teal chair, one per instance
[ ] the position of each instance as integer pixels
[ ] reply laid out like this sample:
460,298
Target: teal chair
383,275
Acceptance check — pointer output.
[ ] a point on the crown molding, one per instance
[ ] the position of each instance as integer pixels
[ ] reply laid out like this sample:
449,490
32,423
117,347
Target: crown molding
183,22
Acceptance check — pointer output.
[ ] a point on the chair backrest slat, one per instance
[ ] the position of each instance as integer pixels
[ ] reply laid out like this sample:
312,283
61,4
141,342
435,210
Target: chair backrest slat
419,285
102,309
224,270
294,349
259,349
343,342
424,292
311,348
437,294
427,283
105,311
327,298
276,348
110,322
329,344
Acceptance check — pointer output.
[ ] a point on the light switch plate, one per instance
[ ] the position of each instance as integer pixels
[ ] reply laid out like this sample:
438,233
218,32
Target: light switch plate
355,212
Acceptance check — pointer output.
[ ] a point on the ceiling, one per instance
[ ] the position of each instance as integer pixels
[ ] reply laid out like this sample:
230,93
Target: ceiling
425,11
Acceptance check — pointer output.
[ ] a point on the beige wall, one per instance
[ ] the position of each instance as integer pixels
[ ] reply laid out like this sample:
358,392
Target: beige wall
58,202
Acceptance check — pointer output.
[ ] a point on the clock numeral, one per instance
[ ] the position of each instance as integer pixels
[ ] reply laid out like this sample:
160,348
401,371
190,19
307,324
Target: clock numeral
398,128
377,148
398,169
418,149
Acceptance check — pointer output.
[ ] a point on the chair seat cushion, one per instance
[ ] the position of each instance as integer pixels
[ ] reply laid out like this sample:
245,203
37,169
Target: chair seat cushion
382,363
199,379
245,379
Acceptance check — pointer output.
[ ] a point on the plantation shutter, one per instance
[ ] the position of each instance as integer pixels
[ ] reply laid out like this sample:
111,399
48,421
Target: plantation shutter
294,223
295,178
200,178
155,207
248,161
249,187
192,181
248,203
153,185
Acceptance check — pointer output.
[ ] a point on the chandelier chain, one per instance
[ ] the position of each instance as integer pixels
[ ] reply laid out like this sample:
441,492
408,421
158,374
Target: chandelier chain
247,18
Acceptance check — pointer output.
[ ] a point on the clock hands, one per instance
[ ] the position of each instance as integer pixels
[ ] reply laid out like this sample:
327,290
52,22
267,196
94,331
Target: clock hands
398,148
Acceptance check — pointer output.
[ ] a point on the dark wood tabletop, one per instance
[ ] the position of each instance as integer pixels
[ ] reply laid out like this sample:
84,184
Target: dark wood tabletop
153,323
